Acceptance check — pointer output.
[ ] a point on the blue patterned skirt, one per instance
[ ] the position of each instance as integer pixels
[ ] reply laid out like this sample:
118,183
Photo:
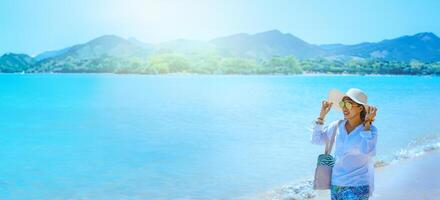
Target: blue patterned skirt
349,192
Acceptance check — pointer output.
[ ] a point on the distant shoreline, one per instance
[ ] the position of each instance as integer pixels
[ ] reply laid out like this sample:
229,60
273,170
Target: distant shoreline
225,74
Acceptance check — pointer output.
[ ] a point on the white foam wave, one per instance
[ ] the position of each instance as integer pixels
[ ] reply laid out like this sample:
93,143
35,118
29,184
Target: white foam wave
418,147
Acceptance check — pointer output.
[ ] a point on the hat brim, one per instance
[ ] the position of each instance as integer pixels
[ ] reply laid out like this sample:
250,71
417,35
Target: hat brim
335,96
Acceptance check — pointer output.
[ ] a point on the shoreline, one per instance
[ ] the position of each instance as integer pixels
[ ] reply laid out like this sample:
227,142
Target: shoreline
206,74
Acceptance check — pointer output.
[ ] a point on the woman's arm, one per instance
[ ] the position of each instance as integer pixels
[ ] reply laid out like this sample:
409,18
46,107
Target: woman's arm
369,140
320,132
369,133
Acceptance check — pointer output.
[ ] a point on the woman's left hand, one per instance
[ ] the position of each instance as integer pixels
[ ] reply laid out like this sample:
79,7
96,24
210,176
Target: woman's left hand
370,113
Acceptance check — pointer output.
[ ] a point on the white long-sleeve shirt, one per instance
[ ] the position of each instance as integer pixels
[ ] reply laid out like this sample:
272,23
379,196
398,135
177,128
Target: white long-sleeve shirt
354,152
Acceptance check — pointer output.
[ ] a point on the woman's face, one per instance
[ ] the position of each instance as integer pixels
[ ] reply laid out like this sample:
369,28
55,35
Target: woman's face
355,110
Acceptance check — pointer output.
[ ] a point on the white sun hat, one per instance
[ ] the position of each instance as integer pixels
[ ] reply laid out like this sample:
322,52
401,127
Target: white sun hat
357,95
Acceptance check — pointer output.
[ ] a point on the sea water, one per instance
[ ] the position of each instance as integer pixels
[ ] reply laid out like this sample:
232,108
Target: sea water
105,136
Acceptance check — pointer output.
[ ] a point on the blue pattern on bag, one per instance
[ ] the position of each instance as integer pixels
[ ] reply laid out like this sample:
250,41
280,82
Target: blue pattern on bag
325,159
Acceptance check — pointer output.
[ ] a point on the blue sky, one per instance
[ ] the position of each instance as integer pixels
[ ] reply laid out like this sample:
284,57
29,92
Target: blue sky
31,27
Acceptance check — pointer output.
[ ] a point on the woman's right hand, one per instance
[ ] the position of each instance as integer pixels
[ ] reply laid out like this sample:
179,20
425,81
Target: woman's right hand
325,108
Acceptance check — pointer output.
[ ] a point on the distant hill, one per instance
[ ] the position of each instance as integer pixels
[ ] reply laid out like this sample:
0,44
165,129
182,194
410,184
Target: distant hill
51,54
422,46
331,46
185,47
144,45
102,54
109,45
253,53
11,62
266,45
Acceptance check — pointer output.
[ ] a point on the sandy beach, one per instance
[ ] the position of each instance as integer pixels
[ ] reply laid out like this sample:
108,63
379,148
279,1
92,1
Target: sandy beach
416,179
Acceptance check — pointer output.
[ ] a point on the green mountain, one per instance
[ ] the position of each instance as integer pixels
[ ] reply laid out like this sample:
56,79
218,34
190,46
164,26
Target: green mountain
186,47
144,45
103,54
51,54
11,62
422,46
266,45
107,45
266,52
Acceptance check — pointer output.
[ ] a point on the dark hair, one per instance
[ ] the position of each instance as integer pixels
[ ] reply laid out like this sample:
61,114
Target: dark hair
363,112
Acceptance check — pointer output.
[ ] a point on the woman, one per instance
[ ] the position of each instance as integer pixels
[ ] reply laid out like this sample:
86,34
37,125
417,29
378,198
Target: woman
355,144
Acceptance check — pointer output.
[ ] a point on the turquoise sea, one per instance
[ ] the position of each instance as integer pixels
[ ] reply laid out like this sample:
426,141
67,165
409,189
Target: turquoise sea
105,136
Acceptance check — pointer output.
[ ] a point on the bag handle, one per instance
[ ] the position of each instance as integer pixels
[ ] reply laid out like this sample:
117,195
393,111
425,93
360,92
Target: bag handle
328,146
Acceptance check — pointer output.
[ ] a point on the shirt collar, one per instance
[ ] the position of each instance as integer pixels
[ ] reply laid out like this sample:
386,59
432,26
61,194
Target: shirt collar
352,131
